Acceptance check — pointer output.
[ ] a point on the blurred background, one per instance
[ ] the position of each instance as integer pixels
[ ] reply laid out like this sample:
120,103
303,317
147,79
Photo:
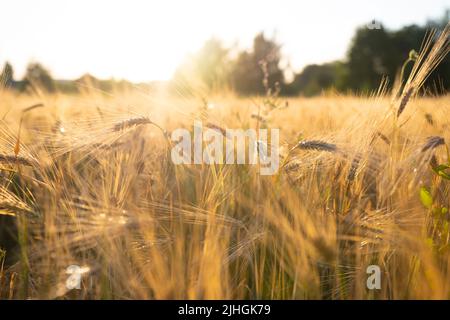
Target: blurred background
293,47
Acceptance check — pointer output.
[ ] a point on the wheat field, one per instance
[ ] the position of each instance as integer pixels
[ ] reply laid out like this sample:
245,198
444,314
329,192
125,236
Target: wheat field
87,180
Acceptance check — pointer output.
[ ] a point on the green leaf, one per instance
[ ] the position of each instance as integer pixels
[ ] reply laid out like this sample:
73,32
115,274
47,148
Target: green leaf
445,227
426,198
440,171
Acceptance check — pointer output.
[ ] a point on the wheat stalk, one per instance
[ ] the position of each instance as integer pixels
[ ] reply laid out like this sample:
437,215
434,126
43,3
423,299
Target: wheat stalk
12,159
432,143
317,145
129,123
429,58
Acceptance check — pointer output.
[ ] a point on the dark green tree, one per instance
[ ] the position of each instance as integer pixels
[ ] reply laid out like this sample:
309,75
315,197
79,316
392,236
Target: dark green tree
372,56
377,53
316,78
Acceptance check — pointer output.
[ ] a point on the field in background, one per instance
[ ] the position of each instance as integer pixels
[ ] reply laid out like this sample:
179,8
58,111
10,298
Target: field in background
93,185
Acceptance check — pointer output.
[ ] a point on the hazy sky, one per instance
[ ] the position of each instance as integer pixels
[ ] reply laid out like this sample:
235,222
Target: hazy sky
146,40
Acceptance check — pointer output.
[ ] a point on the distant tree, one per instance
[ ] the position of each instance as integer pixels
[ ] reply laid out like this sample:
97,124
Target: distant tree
256,71
377,53
372,56
37,75
246,76
316,78
440,78
7,75
210,66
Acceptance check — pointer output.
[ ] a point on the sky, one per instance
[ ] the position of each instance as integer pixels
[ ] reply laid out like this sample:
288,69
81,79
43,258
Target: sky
144,40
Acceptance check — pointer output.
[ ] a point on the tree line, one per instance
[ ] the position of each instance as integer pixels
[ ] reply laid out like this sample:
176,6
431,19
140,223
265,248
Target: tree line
374,53
37,76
